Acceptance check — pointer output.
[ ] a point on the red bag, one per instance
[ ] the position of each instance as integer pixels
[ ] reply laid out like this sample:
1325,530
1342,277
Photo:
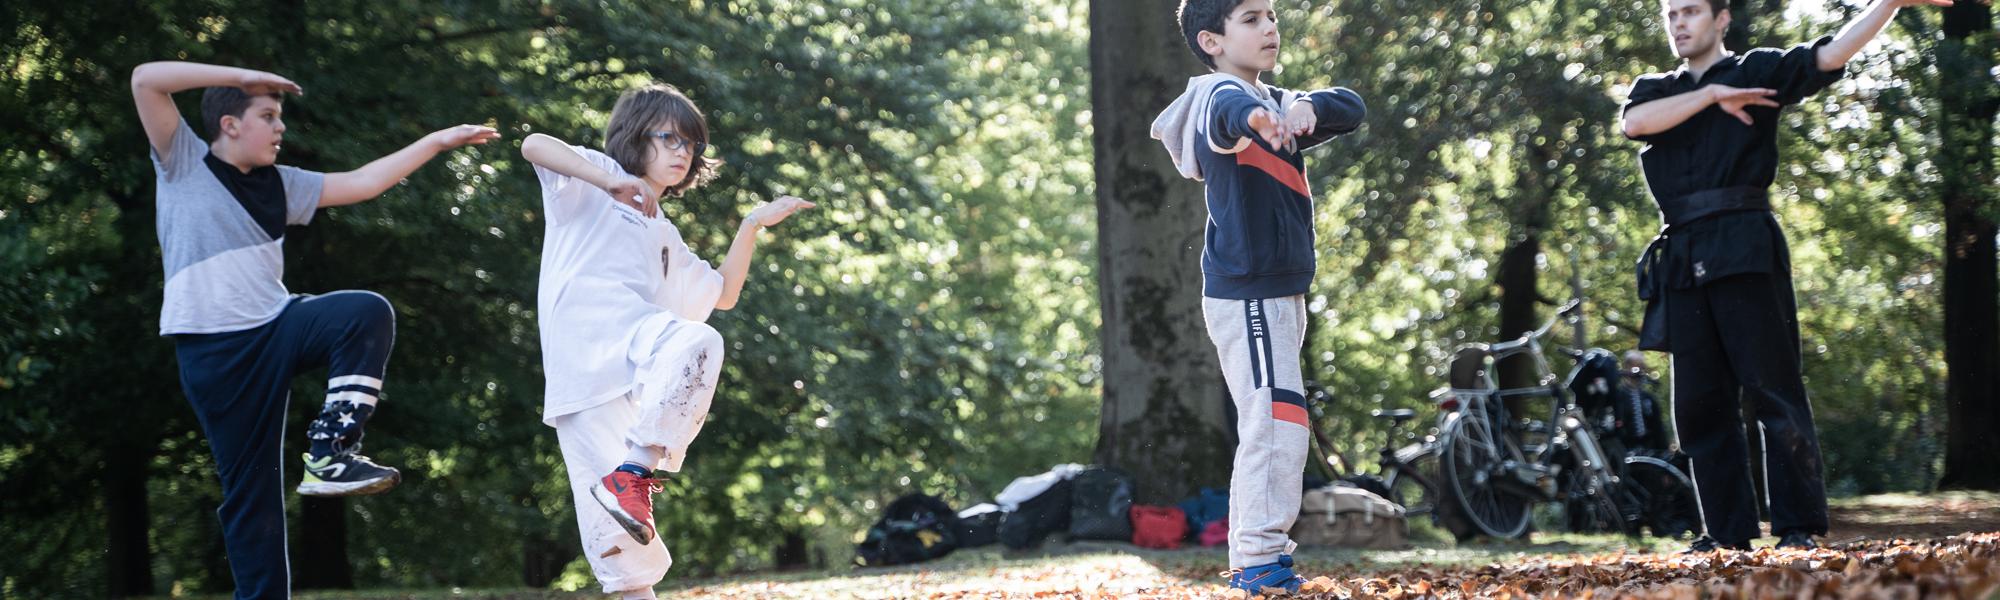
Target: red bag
1158,527
1216,533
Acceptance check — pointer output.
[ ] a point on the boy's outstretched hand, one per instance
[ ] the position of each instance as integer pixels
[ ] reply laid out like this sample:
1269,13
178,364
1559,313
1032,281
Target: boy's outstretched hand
633,192
259,83
1300,119
453,137
774,212
1270,127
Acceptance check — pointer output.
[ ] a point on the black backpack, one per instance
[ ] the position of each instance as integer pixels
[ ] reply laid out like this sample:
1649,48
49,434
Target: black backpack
1101,505
1037,518
1596,381
980,529
914,528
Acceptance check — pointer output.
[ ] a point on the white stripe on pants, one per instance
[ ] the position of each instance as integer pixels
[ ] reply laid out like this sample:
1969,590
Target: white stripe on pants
1259,342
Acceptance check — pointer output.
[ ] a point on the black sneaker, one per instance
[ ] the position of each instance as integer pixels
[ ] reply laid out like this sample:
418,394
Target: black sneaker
346,474
1705,544
1796,541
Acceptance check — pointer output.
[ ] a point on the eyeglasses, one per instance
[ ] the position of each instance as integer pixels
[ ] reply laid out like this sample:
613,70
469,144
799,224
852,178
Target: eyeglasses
675,141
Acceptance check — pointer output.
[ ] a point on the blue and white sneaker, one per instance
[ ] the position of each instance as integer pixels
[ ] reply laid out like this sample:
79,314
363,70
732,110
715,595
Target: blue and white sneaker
1259,579
346,473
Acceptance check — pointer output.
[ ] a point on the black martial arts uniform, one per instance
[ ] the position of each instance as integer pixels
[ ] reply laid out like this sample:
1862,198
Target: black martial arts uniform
1719,294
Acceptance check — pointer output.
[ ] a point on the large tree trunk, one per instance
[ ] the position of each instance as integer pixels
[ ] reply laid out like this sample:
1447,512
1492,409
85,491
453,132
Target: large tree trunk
319,554
1165,408
128,557
1971,291
1517,280
792,553
543,559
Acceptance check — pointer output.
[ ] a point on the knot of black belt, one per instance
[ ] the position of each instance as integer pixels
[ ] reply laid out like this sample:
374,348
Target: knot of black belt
1675,212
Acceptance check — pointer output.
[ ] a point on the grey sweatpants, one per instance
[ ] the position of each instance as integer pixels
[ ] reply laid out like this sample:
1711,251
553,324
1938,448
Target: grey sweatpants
1259,343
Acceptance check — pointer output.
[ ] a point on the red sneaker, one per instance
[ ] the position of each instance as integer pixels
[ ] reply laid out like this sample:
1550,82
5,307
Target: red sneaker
629,498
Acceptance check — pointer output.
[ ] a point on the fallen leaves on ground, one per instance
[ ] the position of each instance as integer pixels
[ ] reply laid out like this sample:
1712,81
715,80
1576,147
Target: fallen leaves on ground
1965,566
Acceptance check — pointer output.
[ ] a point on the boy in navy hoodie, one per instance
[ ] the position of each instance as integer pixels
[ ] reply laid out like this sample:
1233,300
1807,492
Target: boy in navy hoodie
1244,140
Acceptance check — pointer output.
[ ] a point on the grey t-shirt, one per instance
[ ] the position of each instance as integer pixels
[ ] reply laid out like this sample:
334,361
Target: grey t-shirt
222,237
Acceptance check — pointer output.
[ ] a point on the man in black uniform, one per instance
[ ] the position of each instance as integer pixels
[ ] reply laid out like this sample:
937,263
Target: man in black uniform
1718,280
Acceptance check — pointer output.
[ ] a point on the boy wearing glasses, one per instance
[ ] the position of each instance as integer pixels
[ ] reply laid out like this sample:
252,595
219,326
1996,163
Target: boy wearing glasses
630,364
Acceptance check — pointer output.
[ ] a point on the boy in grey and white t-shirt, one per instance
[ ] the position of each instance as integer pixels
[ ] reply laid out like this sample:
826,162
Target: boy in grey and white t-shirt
238,334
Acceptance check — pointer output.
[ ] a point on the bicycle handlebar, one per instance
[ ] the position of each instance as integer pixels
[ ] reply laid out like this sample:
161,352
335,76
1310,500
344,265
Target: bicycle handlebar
1568,309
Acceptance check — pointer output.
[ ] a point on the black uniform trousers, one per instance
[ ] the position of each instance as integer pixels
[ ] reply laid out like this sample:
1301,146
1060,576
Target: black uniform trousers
1736,337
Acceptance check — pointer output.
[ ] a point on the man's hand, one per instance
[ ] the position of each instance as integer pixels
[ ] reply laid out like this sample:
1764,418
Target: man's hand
1734,100
633,192
775,212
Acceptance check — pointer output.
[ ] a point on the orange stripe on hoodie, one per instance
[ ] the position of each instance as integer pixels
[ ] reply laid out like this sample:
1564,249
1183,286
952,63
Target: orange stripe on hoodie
1263,160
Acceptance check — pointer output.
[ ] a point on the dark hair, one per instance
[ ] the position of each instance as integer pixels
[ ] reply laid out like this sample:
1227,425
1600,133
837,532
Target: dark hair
638,112
1715,7
1197,16
219,102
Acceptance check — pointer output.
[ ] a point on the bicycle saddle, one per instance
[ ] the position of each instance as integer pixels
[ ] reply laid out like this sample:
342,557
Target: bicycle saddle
1398,416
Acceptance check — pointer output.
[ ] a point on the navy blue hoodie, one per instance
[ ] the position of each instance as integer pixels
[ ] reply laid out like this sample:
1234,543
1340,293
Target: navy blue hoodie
1258,242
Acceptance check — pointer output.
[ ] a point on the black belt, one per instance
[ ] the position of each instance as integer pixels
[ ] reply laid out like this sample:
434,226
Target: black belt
1676,212
1706,203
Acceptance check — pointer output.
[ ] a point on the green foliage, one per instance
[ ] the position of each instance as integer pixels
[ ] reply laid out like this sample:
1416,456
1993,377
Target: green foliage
933,325
934,308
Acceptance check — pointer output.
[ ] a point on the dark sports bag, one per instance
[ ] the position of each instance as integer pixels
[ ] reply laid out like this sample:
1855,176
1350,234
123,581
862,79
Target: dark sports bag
914,528
1038,517
979,525
1099,505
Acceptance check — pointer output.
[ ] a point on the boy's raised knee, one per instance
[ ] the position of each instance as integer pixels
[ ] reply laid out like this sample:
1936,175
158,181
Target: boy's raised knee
708,339
369,308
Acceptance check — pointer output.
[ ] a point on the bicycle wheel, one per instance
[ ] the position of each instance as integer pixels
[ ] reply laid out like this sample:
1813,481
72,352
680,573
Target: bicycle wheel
1471,455
1597,499
1410,485
1665,497
1596,508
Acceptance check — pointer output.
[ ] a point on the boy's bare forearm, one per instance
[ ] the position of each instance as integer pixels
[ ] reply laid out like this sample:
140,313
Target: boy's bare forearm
170,77
380,174
556,155
736,265
376,177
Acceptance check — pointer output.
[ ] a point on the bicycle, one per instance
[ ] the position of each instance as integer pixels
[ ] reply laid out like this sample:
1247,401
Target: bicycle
1496,467
1405,475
